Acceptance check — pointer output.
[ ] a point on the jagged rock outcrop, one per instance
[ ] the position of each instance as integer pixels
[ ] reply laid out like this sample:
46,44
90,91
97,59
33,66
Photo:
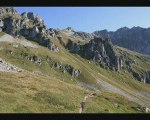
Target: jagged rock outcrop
136,38
11,26
64,67
71,70
73,47
34,59
102,52
28,25
7,11
143,77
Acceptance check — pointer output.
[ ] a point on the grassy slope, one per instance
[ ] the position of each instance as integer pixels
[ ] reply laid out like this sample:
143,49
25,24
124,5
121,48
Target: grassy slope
26,92
48,87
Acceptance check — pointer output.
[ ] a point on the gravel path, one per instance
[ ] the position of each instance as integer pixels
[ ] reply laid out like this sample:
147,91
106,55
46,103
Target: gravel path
7,67
8,38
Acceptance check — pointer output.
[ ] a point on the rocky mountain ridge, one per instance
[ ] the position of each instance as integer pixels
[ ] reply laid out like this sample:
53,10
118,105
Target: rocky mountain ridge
28,25
135,38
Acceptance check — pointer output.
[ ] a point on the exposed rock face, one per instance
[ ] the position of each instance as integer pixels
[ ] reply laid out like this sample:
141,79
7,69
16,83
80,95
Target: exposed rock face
34,59
73,47
144,77
102,52
53,47
74,72
64,67
28,25
12,26
7,10
136,38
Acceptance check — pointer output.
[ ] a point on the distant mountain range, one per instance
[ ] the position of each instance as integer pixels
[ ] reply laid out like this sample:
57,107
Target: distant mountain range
136,38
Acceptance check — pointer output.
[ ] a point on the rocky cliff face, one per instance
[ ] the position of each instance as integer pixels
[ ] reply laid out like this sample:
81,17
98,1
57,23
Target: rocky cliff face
28,25
99,50
143,77
7,11
102,52
136,38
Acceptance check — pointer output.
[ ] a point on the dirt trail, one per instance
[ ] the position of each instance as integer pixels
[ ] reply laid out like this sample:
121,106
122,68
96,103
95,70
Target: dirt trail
82,104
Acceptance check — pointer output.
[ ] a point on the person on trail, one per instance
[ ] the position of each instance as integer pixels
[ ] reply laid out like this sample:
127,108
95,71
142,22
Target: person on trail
82,105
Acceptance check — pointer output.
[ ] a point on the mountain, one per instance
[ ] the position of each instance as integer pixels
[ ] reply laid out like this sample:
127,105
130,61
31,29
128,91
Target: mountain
136,38
51,70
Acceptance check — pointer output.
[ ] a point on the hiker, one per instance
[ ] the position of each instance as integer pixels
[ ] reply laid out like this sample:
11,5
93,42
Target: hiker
82,105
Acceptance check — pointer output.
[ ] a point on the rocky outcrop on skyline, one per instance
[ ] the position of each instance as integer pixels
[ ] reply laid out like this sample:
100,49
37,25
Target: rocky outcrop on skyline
28,25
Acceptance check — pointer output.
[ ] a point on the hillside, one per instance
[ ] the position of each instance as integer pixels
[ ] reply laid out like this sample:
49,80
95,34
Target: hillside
49,70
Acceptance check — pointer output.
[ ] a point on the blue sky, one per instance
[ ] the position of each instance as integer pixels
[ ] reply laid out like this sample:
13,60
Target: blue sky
89,19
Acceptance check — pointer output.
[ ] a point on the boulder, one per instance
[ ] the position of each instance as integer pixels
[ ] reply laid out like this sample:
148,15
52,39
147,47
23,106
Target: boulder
75,73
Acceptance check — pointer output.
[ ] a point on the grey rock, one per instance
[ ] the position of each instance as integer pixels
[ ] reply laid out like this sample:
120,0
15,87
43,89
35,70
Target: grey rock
142,77
12,26
129,63
71,70
73,47
53,47
1,23
34,59
57,65
102,52
7,10
24,15
31,15
28,25
75,73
